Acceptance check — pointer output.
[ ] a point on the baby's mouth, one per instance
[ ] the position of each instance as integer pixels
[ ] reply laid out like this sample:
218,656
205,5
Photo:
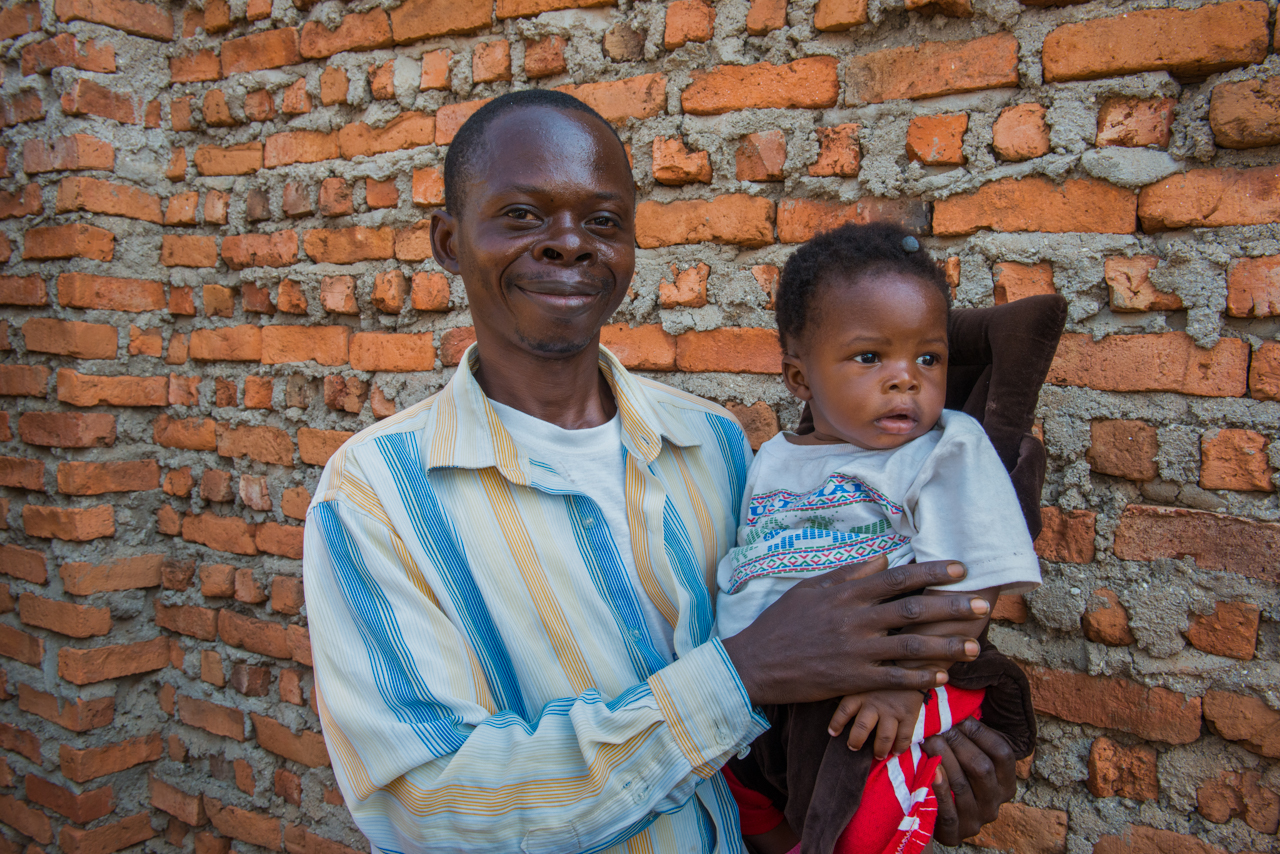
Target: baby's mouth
897,422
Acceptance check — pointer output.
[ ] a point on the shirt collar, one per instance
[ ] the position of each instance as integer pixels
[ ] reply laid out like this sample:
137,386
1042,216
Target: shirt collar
466,432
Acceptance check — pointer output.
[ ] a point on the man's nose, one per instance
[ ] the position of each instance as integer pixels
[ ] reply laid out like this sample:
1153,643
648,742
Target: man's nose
564,241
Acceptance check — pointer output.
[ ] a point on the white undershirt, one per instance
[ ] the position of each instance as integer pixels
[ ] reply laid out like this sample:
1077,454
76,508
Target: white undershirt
591,459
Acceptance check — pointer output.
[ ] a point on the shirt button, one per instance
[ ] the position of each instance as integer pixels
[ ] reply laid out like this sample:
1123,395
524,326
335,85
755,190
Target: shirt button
588,522
722,737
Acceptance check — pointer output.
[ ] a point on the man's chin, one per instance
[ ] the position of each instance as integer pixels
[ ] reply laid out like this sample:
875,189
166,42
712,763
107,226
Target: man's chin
557,348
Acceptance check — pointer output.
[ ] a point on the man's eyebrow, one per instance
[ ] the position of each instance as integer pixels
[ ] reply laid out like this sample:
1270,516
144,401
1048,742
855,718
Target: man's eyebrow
535,190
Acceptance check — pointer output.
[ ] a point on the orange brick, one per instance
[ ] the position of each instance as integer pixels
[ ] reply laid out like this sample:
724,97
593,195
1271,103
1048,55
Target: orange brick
335,197
92,763
381,194
139,19
1130,286
1025,829
1215,541
1020,133
68,153
84,290
931,69
261,50
99,478
1244,719
18,204
1187,44
356,31
86,666
84,390
730,350
259,106
542,58
838,15
78,716
221,533
284,149
197,67
295,501
227,344
838,151
244,159
435,70
491,61
87,98
338,295
766,276
245,825
451,117
282,540
639,97
674,164
1235,459
1211,198
188,250
326,345
76,524
219,720
65,618
1038,204
1231,630
765,16
1016,281
407,130
349,245
1156,714
375,351
26,820
1105,620
21,473
1163,362
415,20
688,21
1124,449
1067,536
810,83
130,573
21,646
1234,794
67,429
758,421
735,219
260,636
1253,287
286,595
104,197
62,51
189,620
316,446
937,140
24,380
278,249
1264,372
258,392
27,107
193,434
389,291
760,157
19,19
801,219
70,338
306,747
76,240
82,808
264,444
689,288
1245,115
1136,122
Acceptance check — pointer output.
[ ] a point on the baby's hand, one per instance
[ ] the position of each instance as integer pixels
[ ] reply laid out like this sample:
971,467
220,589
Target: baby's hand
892,714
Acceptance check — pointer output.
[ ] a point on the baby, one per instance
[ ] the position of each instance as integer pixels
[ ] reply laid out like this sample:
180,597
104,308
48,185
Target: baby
862,315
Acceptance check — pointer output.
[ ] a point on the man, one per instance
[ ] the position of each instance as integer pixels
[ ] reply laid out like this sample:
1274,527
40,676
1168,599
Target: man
510,584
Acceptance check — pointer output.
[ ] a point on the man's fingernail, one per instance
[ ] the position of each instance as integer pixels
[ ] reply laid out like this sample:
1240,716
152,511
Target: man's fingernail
937,776
955,570
980,606
832,732
971,647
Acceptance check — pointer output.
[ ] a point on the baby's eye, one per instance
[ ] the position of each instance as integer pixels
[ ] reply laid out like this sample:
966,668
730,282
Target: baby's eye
928,360
866,358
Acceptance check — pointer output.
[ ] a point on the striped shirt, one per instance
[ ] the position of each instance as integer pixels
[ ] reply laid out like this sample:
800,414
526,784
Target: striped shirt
485,676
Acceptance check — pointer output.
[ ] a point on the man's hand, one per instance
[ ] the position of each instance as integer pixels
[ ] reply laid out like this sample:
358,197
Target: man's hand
828,636
978,768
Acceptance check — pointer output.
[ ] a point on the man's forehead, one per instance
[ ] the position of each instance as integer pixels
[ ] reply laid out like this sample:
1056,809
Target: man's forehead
529,145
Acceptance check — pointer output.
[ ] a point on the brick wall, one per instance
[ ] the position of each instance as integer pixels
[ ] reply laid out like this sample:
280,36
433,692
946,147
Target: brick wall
215,268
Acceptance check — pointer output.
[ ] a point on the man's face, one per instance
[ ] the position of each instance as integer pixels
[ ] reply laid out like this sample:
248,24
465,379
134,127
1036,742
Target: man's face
545,240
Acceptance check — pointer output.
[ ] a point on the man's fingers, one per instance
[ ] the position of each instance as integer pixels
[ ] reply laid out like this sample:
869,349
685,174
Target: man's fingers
913,576
988,763
847,572
946,827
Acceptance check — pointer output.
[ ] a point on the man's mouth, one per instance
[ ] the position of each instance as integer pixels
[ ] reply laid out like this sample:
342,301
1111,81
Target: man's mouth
561,294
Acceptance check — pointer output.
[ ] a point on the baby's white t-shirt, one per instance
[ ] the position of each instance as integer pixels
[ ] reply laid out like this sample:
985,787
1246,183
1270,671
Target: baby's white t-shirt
808,509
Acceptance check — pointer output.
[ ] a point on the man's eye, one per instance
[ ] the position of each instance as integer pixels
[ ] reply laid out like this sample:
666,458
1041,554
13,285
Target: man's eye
605,222
866,358
521,214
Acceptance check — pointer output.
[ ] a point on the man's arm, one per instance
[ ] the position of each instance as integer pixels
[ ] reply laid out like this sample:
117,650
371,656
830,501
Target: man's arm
425,759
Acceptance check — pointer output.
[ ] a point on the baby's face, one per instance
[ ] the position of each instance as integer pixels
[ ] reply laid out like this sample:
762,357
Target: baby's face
873,362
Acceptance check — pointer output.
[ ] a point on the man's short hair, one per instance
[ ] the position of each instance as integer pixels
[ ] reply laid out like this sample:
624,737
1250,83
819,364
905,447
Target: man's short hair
469,142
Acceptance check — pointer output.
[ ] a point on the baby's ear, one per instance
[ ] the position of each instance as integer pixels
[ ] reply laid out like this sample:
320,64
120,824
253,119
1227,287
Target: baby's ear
793,374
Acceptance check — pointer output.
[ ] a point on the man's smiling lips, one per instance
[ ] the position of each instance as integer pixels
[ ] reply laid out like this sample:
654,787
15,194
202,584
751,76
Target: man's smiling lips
564,295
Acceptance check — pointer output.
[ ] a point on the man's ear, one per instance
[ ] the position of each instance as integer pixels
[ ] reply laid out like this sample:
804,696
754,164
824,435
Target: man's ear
444,241
793,375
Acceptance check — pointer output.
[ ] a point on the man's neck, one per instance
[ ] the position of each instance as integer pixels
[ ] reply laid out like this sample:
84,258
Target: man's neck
570,391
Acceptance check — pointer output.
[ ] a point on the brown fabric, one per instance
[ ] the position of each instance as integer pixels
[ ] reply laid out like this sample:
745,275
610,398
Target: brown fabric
817,781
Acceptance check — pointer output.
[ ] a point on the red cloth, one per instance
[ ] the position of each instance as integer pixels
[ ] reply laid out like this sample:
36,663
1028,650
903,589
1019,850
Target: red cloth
898,808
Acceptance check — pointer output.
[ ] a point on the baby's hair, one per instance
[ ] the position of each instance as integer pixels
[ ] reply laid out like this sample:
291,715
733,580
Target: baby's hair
852,253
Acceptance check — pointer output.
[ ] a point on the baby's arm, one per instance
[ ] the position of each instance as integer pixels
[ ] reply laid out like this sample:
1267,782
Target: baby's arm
892,714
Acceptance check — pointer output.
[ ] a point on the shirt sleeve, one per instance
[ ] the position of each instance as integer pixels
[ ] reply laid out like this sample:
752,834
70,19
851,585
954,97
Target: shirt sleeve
965,509
428,762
